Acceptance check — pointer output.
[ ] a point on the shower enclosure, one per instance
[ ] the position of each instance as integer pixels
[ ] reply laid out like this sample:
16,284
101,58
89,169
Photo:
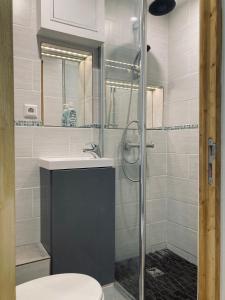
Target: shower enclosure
151,131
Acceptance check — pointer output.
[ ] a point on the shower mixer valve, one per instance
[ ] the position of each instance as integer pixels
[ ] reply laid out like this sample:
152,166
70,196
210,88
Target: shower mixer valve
128,146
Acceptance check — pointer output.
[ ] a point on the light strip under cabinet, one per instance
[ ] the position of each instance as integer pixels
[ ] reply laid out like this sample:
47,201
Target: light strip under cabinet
127,86
53,49
61,57
121,63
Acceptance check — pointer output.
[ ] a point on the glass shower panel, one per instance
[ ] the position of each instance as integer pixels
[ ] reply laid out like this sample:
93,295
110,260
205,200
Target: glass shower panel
122,80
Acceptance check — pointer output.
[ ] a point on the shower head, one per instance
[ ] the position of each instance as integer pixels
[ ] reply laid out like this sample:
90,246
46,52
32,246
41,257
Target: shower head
161,7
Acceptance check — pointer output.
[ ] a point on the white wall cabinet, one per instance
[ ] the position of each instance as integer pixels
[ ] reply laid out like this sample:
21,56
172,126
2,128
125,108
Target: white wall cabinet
78,19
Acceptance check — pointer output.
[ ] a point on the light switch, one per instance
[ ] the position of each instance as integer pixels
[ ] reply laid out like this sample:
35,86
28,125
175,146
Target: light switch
30,111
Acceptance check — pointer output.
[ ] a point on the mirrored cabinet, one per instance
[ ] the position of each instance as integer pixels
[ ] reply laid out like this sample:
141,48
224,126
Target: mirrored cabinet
66,86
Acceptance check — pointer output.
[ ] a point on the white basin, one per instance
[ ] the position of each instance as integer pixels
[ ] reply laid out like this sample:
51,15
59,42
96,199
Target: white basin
61,163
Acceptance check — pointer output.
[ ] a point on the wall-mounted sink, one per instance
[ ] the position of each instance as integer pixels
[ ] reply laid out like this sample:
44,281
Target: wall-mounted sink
62,163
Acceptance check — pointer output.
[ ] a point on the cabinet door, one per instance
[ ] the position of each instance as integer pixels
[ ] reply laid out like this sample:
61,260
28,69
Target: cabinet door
83,222
77,13
84,19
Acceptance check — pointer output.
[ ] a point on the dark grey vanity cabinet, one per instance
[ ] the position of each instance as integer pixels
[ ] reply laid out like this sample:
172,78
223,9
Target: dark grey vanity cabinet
78,221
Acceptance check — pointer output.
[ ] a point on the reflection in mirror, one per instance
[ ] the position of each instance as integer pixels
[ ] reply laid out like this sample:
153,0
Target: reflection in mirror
123,97
66,86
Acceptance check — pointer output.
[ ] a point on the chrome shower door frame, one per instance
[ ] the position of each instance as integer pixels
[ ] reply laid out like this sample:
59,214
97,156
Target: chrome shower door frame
143,159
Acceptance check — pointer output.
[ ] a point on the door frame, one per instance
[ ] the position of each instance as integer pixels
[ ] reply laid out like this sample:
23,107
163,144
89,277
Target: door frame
210,128
7,174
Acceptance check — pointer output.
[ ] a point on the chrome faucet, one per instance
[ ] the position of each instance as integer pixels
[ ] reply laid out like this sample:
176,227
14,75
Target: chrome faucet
93,149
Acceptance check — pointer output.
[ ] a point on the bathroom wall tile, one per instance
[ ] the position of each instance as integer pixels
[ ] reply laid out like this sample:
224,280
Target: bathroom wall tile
27,173
159,139
193,111
126,191
23,141
31,271
53,117
36,64
22,73
36,202
52,73
50,142
178,165
176,113
156,187
183,190
78,139
182,238
189,257
156,211
25,42
22,97
156,164
22,12
194,167
127,215
155,234
30,253
127,243
27,231
112,138
23,204
112,293
183,141
183,214
185,88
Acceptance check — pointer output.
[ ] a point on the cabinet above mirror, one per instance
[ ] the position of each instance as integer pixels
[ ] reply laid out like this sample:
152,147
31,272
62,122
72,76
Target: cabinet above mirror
66,86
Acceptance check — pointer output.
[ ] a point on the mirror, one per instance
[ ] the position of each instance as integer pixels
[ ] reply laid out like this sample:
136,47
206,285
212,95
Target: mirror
66,87
120,98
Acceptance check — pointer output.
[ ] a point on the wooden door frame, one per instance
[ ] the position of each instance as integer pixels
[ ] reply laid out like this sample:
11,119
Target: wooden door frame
210,127
210,123
7,175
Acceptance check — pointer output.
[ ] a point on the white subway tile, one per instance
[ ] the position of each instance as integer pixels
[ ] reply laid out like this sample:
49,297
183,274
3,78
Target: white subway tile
183,190
22,97
183,214
178,165
23,204
23,141
50,142
27,173
155,211
182,238
22,12
156,164
36,203
28,231
22,73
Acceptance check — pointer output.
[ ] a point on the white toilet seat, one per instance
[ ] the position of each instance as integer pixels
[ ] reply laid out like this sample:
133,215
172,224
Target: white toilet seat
61,287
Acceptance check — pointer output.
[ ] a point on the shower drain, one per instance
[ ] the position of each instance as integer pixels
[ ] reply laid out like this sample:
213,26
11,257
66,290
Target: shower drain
154,272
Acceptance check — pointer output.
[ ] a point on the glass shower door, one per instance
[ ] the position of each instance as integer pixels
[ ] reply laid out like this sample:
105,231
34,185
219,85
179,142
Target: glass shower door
124,139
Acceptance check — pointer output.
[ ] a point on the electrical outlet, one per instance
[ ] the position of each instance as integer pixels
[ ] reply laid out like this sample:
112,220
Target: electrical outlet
30,111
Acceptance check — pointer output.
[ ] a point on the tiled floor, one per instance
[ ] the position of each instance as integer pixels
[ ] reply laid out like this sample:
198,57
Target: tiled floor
111,293
168,277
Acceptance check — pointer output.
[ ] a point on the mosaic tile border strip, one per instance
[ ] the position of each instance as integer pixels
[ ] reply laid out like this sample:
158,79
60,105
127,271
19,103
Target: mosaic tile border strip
177,127
28,123
24,123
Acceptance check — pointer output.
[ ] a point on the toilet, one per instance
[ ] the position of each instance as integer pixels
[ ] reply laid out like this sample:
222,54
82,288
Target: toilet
61,287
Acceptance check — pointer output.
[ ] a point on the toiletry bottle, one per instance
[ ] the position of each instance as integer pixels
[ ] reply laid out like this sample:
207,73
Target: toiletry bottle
65,115
72,115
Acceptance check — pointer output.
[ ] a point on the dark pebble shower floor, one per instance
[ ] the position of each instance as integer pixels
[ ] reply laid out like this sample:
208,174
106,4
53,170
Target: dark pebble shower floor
168,276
